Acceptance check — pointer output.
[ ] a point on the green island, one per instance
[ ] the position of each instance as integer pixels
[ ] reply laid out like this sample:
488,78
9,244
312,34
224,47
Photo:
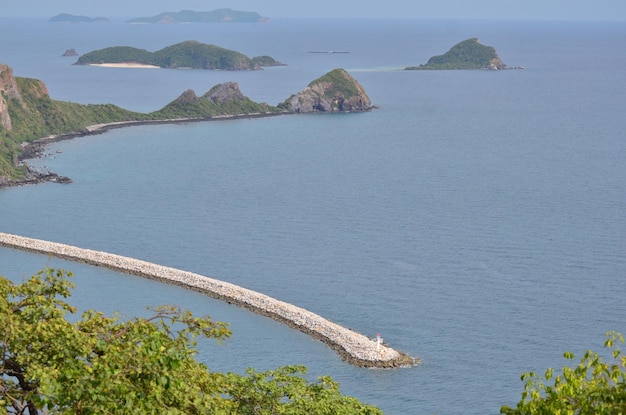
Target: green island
215,16
72,18
30,118
469,54
187,54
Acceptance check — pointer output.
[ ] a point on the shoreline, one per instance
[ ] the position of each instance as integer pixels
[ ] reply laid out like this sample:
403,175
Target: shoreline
125,65
353,347
36,149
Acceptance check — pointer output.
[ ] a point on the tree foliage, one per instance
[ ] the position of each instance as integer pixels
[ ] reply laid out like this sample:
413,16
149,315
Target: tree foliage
594,386
98,364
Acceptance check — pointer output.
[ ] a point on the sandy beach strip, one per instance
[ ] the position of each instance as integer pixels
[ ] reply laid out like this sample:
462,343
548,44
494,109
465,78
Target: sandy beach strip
125,65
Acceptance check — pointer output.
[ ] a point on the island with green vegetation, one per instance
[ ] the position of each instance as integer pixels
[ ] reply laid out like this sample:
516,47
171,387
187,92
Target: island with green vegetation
30,119
215,16
469,54
187,54
334,91
71,18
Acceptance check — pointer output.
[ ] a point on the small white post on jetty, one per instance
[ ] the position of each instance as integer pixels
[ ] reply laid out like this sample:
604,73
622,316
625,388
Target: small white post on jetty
379,341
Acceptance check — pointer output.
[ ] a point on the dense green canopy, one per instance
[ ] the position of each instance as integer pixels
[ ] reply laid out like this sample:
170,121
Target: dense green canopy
593,387
105,365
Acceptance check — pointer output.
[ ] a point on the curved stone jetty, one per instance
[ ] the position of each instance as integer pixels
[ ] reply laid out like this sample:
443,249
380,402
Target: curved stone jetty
355,348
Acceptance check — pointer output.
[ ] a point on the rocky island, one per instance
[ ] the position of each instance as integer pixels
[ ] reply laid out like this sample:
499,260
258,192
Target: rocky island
335,91
469,54
70,52
215,16
30,119
188,54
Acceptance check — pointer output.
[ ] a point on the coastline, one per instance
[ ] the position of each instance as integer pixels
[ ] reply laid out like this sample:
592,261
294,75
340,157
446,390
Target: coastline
125,65
309,100
36,149
353,347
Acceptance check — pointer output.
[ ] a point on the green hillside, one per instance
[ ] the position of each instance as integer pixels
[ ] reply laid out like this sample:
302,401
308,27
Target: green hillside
222,99
340,81
35,115
192,54
115,54
469,54
188,54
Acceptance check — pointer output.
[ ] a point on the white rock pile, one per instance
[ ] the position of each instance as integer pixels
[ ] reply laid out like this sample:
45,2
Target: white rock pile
353,347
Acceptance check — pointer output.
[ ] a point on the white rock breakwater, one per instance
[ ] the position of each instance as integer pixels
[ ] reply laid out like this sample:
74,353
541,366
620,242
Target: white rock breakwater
352,346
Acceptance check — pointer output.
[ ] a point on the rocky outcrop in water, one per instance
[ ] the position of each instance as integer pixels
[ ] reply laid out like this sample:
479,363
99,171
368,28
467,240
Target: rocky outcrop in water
336,91
70,52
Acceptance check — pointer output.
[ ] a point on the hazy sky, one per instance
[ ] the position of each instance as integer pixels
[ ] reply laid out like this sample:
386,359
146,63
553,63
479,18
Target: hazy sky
469,9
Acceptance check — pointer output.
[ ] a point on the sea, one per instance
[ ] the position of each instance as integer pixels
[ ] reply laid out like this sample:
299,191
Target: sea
475,219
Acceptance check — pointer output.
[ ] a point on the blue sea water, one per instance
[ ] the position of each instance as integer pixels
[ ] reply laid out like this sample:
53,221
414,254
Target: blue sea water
476,219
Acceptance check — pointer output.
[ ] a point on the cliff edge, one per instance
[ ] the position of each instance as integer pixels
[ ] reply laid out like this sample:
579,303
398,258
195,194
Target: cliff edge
8,91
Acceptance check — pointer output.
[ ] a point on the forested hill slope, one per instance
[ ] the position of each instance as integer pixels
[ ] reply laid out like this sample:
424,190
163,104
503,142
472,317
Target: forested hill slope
469,54
27,112
188,54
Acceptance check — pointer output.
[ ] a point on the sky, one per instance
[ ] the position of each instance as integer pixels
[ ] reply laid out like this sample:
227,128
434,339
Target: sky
425,9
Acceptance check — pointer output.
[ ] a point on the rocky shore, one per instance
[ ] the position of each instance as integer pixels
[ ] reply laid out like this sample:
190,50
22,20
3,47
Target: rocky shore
355,348
21,109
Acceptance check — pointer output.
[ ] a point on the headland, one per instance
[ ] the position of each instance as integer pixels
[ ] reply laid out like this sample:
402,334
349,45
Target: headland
30,118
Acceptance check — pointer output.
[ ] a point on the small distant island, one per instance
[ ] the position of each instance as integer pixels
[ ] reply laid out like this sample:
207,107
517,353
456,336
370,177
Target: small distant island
70,18
469,54
215,16
30,119
70,52
188,54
